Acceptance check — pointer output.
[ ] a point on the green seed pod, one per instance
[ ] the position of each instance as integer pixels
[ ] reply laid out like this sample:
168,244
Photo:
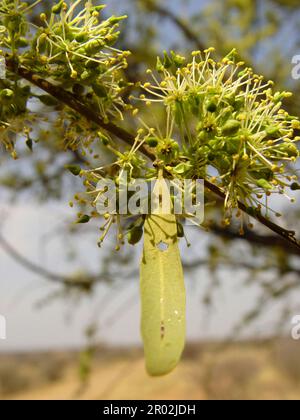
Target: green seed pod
162,295
152,141
134,235
263,183
231,127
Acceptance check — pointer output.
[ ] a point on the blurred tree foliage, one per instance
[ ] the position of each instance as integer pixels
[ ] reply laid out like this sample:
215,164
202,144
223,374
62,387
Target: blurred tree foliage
266,34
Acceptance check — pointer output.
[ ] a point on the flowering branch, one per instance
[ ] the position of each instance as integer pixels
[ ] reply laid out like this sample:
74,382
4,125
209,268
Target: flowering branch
71,101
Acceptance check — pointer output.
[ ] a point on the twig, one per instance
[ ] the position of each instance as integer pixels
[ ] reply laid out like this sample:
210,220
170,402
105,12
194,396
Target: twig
35,268
250,236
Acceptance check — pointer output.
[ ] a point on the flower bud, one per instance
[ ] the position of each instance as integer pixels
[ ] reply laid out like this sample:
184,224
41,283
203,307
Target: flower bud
211,105
231,127
57,8
152,141
263,183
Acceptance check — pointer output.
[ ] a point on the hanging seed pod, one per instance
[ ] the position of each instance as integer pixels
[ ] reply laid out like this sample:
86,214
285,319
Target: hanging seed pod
162,295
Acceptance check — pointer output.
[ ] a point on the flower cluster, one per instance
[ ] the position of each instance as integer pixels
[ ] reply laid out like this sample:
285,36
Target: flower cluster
76,48
73,46
224,123
128,165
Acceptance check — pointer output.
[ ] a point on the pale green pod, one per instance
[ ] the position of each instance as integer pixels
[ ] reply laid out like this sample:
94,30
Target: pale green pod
162,295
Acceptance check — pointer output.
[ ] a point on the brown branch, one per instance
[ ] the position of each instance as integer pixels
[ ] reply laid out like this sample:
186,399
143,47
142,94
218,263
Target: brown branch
288,235
252,237
72,102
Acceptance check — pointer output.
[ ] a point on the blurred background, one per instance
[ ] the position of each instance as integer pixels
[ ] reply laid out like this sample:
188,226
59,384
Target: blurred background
72,309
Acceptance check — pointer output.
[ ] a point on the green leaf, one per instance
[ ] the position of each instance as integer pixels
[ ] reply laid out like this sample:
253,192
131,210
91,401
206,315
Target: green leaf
74,169
135,235
162,295
295,186
84,219
29,144
182,168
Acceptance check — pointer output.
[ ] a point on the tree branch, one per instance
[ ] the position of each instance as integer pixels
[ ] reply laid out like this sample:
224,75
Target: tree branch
72,102
270,241
49,275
